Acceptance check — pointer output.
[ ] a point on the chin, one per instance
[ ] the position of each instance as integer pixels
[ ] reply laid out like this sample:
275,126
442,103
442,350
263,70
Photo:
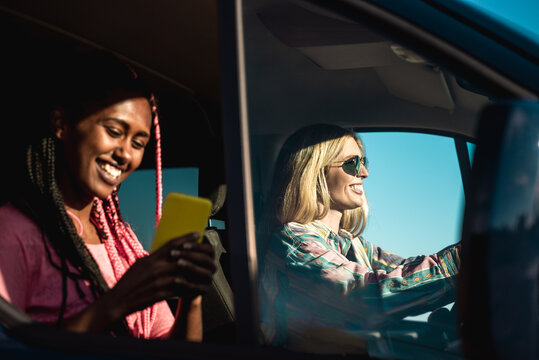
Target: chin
102,193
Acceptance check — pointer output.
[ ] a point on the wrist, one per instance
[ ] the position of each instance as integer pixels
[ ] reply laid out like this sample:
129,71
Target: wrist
95,318
196,301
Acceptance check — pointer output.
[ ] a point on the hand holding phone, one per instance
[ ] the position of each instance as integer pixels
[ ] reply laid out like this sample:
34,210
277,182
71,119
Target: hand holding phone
182,214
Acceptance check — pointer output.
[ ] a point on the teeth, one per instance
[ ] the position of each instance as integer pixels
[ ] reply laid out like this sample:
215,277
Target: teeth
111,170
356,187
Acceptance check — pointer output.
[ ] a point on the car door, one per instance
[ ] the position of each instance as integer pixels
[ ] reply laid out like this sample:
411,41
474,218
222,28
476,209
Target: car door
303,62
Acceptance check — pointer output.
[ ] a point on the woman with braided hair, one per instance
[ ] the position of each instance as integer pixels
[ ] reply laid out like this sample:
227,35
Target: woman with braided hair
67,258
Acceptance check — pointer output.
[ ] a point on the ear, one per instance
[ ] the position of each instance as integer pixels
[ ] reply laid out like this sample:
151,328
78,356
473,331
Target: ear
57,121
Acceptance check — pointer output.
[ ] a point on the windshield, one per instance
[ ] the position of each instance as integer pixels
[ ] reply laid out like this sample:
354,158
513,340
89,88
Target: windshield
520,15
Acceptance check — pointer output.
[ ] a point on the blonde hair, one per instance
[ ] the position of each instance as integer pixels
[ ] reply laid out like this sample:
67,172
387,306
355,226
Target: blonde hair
300,185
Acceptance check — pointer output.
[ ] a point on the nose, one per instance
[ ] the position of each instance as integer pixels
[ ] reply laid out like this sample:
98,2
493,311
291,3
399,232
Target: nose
363,172
122,153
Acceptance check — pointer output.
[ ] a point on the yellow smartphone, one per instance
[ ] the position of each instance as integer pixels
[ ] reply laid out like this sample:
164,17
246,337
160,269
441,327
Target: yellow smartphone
182,214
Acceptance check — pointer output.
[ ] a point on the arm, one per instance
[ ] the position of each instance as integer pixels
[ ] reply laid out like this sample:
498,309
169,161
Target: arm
387,261
181,268
26,272
361,289
14,271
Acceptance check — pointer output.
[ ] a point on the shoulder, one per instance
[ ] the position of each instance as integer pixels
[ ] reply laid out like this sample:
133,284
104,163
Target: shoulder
16,225
10,214
310,230
295,235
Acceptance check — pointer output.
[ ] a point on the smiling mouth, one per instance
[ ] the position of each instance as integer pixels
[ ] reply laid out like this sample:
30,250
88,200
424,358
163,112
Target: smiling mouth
110,172
357,189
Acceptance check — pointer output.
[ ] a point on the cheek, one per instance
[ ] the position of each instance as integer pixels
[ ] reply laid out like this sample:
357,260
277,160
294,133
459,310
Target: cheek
337,177
135,163
77,152
333,183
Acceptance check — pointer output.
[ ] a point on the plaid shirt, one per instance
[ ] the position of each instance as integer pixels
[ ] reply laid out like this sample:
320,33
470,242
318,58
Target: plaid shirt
313,278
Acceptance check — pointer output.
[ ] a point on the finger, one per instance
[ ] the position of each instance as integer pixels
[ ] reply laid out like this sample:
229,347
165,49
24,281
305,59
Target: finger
177,244
187,238
199,259
195,246
191,248
192,270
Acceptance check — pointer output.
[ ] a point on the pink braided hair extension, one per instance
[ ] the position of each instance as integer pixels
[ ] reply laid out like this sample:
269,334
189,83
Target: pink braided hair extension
158,164
123,249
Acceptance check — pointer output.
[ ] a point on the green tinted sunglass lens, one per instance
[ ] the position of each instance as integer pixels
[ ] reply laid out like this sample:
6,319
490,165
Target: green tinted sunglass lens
365,162
351,166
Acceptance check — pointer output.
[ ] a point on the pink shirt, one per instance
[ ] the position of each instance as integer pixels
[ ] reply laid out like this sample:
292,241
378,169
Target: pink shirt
29,281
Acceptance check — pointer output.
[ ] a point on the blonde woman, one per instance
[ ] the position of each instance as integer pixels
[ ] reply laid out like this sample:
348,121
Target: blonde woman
318,273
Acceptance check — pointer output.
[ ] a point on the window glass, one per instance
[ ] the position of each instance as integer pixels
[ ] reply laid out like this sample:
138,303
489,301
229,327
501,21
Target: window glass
322,289
421,190
415,192
138,204
519,17
471,151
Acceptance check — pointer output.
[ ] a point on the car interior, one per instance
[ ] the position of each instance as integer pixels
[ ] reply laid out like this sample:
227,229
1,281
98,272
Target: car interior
303,64
307,65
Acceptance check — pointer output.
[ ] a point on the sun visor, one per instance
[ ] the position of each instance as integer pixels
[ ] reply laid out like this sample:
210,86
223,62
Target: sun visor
419,83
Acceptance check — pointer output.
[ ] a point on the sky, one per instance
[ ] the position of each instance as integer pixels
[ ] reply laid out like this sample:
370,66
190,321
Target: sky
521,12
415,192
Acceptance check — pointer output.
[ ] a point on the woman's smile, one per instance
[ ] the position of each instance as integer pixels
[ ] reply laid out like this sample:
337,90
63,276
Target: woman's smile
110,173
357,188
105,147
346,190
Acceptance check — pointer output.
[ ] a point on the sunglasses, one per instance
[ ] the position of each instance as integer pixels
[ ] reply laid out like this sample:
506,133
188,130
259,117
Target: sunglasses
352,166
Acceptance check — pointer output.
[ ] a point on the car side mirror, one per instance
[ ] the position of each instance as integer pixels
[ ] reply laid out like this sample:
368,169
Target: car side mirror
498,291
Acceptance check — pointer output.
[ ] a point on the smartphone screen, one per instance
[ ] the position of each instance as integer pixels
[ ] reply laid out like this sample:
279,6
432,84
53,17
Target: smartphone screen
182,214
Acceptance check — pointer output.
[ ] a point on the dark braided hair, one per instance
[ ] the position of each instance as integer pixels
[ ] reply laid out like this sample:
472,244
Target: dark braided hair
87,78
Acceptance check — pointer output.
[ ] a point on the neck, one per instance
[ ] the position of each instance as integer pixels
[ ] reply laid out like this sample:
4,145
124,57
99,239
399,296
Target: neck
333,220
79,207
82,213
80,216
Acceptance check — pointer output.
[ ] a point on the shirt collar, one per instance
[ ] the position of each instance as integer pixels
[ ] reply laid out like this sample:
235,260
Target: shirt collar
343,237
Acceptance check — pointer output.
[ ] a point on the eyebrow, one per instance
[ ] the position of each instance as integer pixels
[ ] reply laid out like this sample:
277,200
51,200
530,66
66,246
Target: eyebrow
349,157
126,125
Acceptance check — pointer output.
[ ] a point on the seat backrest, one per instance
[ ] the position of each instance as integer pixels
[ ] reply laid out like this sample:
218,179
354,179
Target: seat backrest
218,303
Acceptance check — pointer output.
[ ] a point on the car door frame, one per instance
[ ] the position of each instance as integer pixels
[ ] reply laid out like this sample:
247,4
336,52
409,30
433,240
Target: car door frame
386,17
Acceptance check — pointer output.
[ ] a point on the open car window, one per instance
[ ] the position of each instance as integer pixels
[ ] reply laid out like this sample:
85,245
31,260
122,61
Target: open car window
415,192
417,121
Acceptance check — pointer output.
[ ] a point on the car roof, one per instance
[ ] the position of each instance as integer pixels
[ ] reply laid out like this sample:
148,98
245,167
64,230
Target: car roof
173,45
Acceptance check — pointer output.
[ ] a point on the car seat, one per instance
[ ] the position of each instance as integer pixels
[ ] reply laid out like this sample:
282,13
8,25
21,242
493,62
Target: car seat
218,303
